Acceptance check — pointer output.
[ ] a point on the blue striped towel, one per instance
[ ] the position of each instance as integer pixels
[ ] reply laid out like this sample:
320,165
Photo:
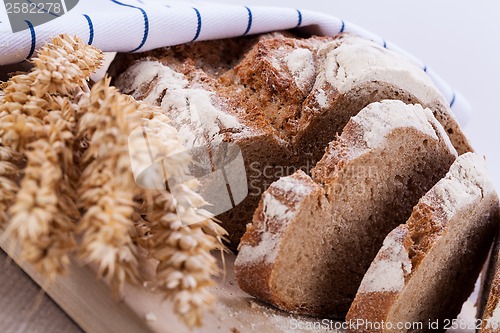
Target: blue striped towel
140,25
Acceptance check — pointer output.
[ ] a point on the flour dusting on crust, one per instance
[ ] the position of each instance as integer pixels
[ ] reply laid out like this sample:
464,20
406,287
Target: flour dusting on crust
278,209
264,251
381,118
197,116
293,186
388,270
466,182
300,62
345,69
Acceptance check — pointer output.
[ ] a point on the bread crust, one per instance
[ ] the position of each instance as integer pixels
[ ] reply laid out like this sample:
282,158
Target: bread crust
489,301
431,222
281,89
258,276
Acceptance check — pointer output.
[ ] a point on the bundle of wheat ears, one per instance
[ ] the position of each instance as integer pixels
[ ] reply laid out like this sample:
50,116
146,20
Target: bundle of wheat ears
67,189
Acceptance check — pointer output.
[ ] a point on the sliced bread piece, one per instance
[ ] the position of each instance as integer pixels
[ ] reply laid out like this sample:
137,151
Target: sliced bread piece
281,99
427,268
489,307
312,240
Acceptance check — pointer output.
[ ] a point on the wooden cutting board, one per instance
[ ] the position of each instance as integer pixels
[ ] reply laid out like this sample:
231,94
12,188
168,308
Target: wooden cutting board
92,306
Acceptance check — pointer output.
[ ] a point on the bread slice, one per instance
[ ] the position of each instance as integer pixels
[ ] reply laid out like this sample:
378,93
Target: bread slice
489,302
427,268
312,240
279,98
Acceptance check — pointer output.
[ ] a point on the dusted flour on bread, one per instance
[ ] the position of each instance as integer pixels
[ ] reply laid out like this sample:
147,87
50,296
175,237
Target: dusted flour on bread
293,185
366,184
198,114
376,125
279,204
301,63
465,182
264,250
440,251
388,271
275,209
345,69
280,98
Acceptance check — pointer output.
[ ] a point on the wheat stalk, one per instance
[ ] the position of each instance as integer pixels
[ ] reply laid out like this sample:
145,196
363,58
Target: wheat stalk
182,234
38,220
106,192
186,266
49,145
44,214
9,159
37,121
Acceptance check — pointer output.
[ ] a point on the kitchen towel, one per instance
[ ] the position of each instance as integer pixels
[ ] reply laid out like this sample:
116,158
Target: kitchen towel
141,25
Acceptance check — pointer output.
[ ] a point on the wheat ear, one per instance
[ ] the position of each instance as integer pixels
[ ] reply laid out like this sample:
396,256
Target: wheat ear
182,234
107,188
37,120
40,125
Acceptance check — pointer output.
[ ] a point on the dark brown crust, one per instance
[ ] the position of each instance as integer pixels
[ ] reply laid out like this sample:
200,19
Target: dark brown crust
259,274
213,57
257,72
375,306
427,223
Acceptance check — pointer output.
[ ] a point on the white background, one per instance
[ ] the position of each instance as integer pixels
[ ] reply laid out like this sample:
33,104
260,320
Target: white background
460,40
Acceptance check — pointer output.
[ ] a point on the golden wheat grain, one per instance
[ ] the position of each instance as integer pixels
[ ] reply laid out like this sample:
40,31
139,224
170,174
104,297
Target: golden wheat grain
37,121
40,113
38,222
106,191
182,234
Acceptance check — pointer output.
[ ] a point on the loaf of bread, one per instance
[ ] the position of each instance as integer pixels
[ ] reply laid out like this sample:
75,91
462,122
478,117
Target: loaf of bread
489,301
280,98
312,239
427,267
